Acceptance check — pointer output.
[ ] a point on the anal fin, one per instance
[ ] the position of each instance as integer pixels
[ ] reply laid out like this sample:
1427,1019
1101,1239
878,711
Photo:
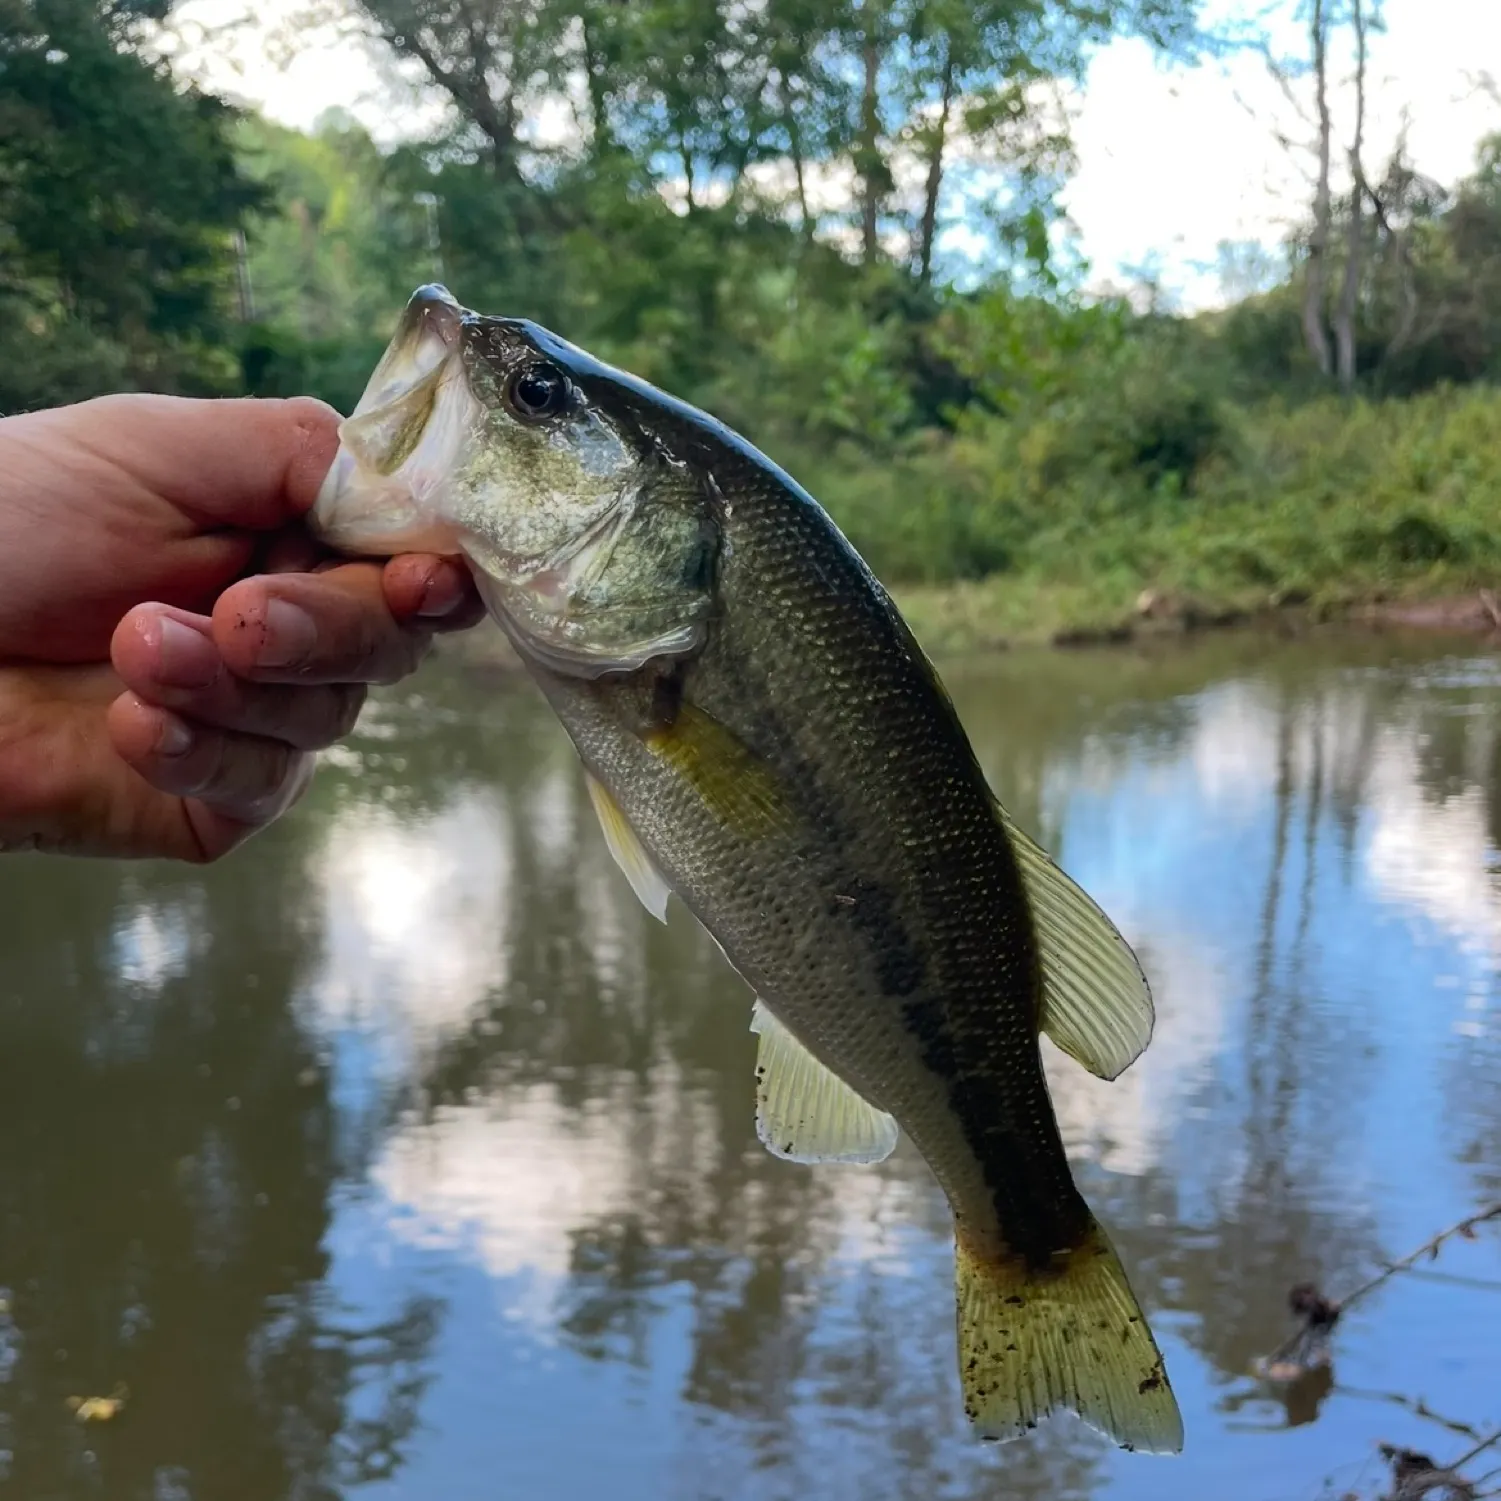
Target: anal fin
804,1111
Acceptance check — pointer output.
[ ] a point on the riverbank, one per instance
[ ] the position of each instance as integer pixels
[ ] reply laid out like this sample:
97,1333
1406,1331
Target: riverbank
998,613
1330,508
1373,511
957,620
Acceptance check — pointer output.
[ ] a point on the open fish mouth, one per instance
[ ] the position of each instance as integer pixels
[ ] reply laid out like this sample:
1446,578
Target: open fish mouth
406,436
427,334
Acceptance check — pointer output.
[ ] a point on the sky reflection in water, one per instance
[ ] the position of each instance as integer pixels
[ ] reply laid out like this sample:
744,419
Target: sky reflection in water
420,1137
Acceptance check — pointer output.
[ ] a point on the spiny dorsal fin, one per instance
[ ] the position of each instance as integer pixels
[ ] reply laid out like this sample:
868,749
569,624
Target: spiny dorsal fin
646,881
1096,1004
805,1112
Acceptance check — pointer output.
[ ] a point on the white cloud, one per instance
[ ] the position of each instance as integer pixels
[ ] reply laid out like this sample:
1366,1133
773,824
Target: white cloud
1432,857
413,928
1172,160
1122,1124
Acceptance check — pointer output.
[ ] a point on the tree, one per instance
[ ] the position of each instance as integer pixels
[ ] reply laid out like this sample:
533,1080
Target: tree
1323,258
1344,316
1318,236
710,101
484,54
119,193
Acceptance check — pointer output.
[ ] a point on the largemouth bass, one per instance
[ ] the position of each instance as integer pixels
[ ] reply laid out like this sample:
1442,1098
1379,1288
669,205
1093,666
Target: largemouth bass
764,739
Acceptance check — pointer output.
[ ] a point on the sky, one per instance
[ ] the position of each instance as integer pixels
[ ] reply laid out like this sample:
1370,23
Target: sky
1173,160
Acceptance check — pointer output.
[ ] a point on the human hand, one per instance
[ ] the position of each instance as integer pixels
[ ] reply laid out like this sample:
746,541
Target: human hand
156,699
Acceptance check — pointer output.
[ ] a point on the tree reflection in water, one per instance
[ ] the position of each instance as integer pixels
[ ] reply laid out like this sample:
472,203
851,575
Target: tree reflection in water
310,1150
166,1165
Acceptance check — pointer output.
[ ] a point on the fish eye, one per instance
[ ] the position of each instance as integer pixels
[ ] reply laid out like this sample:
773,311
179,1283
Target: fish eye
538,391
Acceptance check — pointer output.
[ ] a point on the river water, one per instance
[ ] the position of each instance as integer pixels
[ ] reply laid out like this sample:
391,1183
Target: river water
404,1155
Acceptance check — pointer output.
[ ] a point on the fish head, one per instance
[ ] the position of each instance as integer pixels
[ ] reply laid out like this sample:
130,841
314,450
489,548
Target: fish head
592,539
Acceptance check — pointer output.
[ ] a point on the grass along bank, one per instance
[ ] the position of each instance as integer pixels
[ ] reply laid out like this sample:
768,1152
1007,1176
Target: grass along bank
1330,507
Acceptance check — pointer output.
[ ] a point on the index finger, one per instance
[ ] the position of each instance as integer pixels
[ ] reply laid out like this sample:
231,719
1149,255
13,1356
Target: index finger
252,462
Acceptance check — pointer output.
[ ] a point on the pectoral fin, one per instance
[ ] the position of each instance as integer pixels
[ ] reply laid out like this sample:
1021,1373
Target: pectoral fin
1096,1003
740,788
646,880
806,1113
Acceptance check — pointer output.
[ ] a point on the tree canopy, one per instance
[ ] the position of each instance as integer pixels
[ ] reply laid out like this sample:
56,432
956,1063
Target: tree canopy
832,223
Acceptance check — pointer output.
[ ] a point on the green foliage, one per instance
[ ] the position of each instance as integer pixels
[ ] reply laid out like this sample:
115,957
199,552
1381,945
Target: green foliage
118,194
1325,500
275,361
314,248
1054,455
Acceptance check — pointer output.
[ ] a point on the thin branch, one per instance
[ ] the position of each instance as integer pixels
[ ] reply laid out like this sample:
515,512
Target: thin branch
1415,1405
1282,75
1478,1450
1485,83
1429,1248
1458,1279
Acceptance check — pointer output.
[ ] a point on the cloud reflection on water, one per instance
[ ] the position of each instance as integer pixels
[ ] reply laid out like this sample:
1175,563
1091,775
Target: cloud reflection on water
572,1096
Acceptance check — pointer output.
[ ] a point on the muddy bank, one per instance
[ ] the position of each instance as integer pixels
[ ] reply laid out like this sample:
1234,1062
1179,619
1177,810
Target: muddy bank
1155,616
1478,613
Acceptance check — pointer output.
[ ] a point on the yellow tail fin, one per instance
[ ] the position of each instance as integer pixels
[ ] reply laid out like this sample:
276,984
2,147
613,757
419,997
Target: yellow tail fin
1032,1342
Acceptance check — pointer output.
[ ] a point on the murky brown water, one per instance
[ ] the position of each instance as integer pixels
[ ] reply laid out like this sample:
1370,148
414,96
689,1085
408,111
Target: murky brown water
406,1156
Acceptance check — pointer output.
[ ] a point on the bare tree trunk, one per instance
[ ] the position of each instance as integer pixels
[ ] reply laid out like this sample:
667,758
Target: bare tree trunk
1344,319
935,175
686,157
601,140
795,141
1318,239
242,278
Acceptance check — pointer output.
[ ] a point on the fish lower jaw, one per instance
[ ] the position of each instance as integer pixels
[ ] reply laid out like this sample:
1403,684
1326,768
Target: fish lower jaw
360,512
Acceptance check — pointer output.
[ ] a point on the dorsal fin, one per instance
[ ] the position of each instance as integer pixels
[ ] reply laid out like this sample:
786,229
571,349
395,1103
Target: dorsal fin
1096,1003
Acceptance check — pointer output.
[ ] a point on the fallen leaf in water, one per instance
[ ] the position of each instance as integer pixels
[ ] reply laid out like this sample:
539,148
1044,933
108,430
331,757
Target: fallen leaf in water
1309,1348
1306,1302
99,1409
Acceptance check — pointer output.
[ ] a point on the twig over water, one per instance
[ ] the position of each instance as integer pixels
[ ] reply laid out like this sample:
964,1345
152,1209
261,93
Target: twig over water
1430,1248
1320,1314
1415,1405
1479,1449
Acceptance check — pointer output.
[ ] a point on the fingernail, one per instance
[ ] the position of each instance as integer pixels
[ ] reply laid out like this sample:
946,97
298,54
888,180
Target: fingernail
290,635
442,595
185,658
174,738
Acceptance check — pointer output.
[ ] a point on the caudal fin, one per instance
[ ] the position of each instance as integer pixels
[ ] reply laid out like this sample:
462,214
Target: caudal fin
1032,1342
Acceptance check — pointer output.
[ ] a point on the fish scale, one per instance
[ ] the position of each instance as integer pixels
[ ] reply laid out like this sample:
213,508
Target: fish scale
767,742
